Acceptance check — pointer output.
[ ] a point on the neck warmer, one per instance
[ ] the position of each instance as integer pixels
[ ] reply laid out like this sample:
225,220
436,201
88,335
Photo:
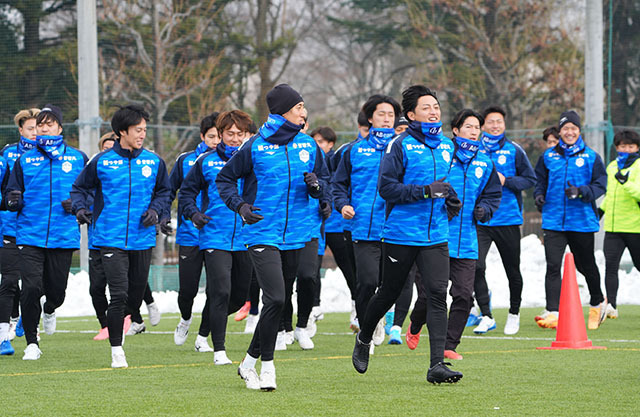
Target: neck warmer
379,137
359,135
25,145
570,150
201,148
466,149
428,133
626,159
53,146
491,142
278,130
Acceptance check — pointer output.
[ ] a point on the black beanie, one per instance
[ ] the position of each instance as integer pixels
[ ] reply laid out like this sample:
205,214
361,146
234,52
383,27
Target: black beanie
55,111
282,98
569,117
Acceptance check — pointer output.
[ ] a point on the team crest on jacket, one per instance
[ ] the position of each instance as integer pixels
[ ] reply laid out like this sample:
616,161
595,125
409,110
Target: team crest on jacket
304,156
579,162
66,166
446,156
479,172
146,171
502,159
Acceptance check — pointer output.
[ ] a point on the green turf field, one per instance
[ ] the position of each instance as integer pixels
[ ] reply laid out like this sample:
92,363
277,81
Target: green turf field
503,376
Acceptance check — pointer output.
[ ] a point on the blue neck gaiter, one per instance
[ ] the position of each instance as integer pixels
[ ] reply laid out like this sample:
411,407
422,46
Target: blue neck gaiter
379,137
570,150
53,146
201,148
25,145
491,142
229,151
429,133
466,149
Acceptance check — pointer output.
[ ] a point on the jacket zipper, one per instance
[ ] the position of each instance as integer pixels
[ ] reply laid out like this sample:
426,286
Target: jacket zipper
286,218
435,177
126,237
233,235
46,243
464,192
375,196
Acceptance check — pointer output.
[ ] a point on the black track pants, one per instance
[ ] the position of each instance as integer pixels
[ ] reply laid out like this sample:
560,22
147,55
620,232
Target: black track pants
614,245
403,303
98,286
368,266
9,288
342,250
190,263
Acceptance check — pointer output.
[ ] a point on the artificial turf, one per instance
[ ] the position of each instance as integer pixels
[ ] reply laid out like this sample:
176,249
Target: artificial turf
502,375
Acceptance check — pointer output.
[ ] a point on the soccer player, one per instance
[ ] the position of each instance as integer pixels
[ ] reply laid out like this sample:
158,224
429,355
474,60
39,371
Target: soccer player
281,169
418,203
25,120
221,240
191,258
46,231
621,207
356,196
476,180
550,136
571,177
516,175
131,187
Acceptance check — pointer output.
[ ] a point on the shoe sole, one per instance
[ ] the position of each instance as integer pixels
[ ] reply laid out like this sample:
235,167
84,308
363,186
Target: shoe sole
395,342
488,330
449,380
267,389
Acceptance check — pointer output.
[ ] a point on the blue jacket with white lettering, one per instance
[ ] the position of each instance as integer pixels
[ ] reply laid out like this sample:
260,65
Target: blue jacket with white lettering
410,163
224,230
585,170
4,170
355,183
126,184
273,164
187,234
511,161
336,223
11,153
477,184
45,183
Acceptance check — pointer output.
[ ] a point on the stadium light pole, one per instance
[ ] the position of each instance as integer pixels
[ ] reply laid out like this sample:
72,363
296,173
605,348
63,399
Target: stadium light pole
88,95
594,84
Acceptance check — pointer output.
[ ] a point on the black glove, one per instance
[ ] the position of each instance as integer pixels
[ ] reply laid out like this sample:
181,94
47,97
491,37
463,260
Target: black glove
311,180
165,226
83,216
149,218
325,210
622,178
66,205
454,205
437,189
199,219
246,211
14,200
479,213
572,191
540,202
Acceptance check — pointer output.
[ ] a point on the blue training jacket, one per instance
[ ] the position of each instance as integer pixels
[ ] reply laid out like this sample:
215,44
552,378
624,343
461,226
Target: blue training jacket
273,164
478,185
511,161
585,170
4,170
11,153
224,230
126,184
410,163
187,234
336,223
45,183
355,183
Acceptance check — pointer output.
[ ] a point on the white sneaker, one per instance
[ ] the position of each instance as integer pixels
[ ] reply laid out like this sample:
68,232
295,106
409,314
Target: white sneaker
486,324
49,323
202,345
378,333
280,342
612,313
250,377
312,327
136,328
513,324
182,331
303,339
252,323
12,328
289,338
372,348
220,358
317,313
119,360
154,314
32,352
268,380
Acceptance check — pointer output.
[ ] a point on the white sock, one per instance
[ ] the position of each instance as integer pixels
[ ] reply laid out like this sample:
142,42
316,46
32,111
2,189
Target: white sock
4,331
117,350
248,361
396,327
268,366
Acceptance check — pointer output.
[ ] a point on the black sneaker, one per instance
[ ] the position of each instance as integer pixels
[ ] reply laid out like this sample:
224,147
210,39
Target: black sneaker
360,357
439,373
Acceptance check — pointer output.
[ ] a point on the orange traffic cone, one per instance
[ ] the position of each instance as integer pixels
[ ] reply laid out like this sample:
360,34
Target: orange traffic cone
571,332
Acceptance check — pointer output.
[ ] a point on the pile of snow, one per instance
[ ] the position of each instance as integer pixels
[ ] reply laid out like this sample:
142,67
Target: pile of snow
335,295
